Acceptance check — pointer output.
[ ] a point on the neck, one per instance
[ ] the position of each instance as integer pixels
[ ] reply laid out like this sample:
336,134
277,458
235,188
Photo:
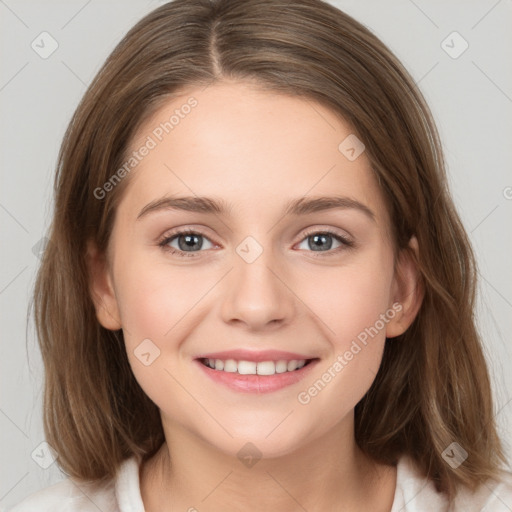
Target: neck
329,473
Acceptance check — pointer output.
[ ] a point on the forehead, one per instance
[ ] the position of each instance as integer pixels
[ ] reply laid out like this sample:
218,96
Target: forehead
253,148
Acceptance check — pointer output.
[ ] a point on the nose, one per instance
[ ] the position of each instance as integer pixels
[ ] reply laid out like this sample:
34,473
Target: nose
257,295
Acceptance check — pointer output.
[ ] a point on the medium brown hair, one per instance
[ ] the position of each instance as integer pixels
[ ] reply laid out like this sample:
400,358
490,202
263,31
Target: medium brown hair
433,385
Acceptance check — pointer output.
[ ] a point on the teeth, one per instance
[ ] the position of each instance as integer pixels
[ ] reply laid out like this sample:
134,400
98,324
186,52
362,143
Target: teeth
292,365
247,368
266,368
230,366
253,368
281,366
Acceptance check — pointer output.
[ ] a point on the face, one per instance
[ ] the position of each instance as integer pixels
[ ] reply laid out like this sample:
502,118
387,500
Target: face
256,274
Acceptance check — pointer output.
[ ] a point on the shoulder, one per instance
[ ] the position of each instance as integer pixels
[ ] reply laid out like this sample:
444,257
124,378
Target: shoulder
118,495
69,496
416,493
492,496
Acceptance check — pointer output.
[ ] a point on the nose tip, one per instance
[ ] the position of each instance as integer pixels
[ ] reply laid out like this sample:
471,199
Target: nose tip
256,295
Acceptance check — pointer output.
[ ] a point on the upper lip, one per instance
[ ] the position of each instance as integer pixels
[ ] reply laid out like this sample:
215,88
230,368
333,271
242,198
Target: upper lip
254,355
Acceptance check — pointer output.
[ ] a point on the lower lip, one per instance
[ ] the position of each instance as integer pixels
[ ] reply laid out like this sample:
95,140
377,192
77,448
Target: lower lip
257,383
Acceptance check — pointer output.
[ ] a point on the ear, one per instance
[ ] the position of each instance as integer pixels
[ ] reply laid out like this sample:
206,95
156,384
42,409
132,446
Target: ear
101,289
407,290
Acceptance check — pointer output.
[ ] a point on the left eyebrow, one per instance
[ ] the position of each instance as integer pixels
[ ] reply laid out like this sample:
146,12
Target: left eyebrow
300,206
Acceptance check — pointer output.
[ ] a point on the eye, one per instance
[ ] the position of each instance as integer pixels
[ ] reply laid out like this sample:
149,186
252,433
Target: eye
321,242
188,242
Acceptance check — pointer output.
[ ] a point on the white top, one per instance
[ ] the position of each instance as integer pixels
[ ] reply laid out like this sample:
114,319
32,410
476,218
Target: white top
413,493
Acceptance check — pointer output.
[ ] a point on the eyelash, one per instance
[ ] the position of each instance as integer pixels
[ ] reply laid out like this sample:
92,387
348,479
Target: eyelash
163,243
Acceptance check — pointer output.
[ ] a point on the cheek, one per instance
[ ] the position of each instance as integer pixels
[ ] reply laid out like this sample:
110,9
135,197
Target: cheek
353,305
154,298
157,304
349,300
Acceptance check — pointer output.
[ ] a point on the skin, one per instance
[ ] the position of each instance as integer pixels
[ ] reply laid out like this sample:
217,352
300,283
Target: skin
256,150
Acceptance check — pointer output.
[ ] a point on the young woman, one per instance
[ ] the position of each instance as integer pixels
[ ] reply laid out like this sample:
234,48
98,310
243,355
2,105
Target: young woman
257,293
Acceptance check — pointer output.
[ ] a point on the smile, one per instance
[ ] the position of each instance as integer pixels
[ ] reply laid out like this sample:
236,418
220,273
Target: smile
263,371
255,368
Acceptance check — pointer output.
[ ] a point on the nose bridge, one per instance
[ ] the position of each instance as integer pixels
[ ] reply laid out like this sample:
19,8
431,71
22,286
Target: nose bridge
256,293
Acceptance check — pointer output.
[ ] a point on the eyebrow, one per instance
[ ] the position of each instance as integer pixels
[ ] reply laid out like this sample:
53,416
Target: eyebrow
301,206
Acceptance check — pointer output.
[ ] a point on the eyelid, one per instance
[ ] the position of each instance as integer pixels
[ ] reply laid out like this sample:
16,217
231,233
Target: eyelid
169,235
331,231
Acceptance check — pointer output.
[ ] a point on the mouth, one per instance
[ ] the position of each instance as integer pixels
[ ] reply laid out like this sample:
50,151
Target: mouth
243,367
255,372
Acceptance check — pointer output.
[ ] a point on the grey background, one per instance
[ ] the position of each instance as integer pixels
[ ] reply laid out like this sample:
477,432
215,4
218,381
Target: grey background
470,96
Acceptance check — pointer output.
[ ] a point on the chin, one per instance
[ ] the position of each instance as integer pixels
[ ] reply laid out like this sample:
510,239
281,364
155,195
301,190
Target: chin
259,439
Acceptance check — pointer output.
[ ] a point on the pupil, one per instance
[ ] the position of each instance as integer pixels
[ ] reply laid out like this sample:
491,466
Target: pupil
322,238
189,242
